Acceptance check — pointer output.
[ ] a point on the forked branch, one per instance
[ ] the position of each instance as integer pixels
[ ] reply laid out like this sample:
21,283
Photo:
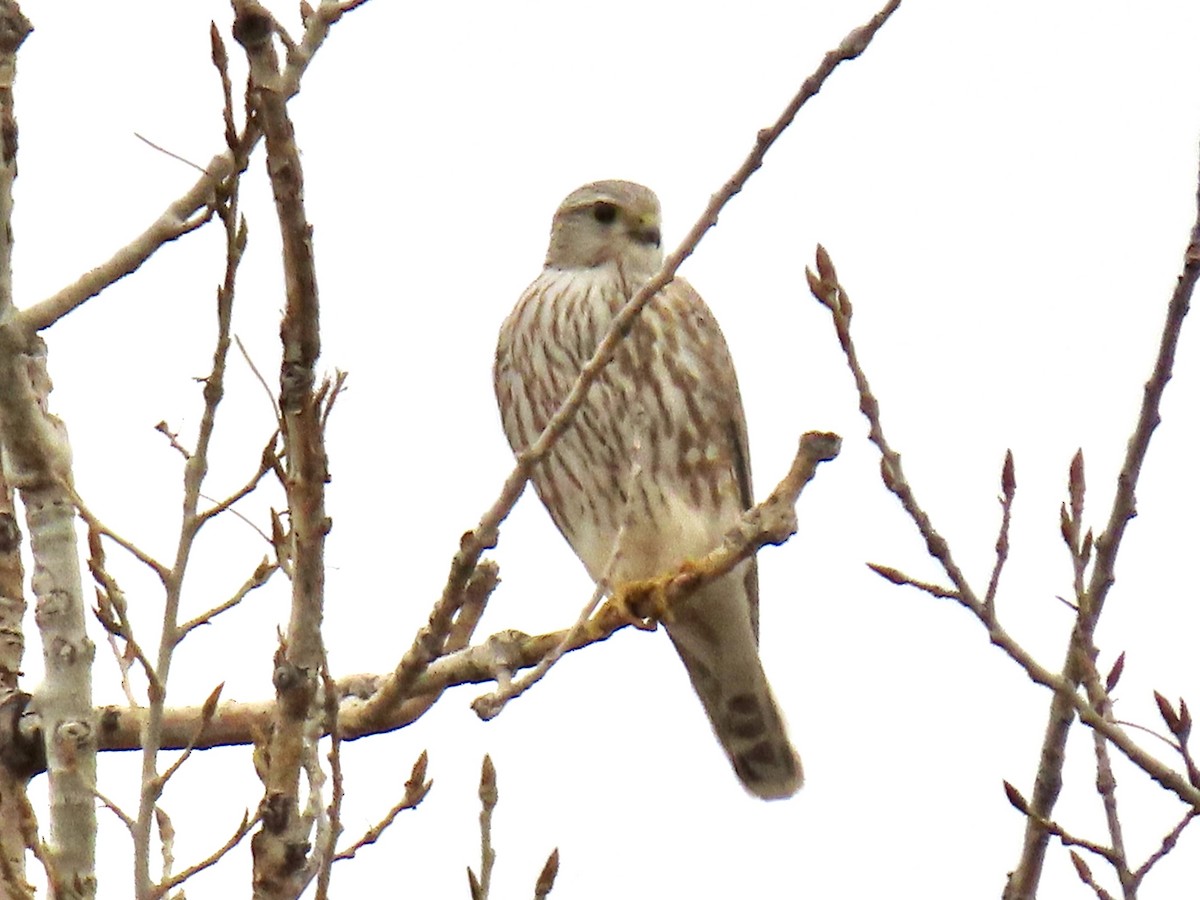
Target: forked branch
828,290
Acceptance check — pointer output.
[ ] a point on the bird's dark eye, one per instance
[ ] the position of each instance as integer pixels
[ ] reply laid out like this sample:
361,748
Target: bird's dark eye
604,213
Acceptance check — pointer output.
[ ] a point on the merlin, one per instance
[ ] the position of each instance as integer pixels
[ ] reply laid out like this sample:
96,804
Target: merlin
654,468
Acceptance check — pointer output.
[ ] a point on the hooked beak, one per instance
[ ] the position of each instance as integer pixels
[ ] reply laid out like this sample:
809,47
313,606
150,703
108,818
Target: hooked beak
647,232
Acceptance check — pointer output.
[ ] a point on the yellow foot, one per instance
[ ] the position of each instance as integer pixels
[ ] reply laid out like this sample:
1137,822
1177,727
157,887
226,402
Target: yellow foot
646,602
639,603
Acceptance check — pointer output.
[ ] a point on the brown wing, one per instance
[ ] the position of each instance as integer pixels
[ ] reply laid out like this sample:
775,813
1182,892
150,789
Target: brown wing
723,401
715,630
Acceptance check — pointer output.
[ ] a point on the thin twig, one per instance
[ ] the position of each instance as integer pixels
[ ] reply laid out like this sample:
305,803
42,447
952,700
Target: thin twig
1086,653
488,796
236,838
261,575
327,852
267,462
224,202
1068,839
112,613
830,293
1137,726
1085,875
166,152
489,705
206,716
1106,781
1008,490
895,576
173,439
166,840
507,688
330,392
1168,844
259,376
112,807
220,60
94,524
415,790
246,520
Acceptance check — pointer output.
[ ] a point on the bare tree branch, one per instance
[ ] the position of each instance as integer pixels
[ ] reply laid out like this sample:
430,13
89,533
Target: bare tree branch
112,613
1008,490
236,838
38,464
284,837
181,216
1168,844
95,526
770,522
481,886
1027,873
415,790
830,293
195,469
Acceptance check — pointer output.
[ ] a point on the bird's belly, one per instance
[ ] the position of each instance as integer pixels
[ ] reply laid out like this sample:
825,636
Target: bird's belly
614,494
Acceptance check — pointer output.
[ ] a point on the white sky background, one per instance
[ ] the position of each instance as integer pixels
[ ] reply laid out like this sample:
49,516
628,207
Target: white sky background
1006,190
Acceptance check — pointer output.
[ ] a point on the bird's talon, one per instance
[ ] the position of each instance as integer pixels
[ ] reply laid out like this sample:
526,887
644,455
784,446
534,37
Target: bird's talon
640,603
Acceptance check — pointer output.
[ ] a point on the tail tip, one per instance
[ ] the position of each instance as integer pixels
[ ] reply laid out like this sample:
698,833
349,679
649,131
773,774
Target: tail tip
777,781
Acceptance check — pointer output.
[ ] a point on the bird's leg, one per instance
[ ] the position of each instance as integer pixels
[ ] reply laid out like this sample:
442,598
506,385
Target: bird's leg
645,602
615,614
639,603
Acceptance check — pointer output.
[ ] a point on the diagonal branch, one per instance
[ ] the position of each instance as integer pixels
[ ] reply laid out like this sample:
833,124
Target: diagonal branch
191,209
1167,845
415,790
484,535
1027,873
239,833
827,289
771,522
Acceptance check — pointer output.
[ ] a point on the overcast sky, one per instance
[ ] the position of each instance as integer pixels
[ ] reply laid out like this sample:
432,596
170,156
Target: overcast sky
1006,190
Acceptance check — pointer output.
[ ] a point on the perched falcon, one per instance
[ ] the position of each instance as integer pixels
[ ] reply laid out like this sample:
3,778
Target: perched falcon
654,468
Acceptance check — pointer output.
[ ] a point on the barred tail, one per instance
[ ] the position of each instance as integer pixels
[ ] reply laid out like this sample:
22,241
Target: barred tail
713,634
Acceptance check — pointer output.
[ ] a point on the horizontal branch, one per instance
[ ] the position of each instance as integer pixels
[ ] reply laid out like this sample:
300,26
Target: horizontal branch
771,522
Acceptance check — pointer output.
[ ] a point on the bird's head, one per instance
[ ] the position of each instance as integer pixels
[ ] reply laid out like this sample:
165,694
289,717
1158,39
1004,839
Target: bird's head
607,221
